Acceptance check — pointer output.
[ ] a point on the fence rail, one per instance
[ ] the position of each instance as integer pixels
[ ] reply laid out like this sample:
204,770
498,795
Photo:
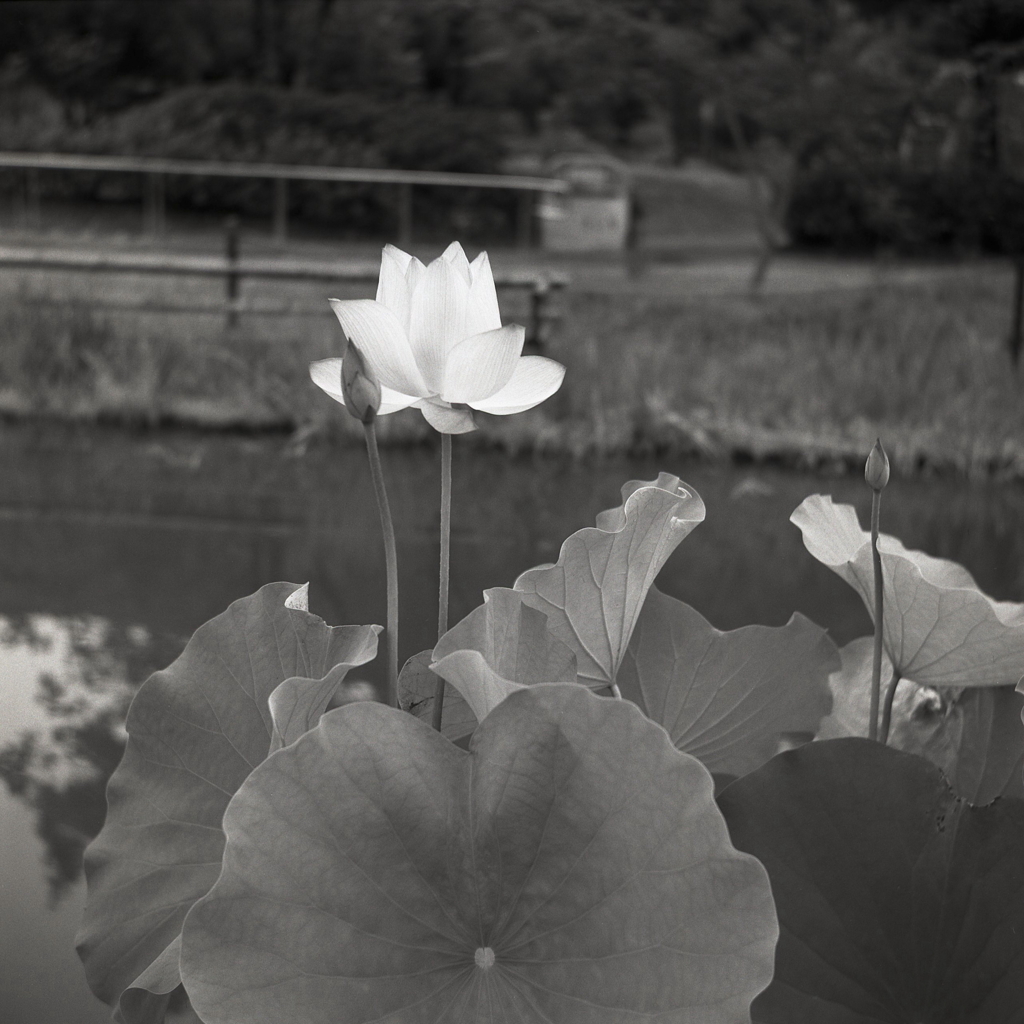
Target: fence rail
233,268
156,170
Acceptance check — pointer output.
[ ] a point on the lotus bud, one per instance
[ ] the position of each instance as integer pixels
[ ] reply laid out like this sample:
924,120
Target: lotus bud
876,469
358,386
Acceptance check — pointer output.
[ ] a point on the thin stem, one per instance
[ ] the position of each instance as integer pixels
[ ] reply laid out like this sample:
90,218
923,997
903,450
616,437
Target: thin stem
876,663
390,560
446,539
883,735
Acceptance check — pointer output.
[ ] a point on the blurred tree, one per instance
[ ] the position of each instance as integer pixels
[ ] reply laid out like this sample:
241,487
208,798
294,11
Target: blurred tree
830,85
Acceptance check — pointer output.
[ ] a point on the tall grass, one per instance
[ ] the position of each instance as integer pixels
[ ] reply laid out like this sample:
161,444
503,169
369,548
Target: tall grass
805,379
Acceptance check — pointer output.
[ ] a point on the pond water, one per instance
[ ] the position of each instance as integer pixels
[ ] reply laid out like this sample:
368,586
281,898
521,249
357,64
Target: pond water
114,547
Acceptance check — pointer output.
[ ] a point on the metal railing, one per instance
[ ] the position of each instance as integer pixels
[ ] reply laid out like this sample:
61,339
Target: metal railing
156,169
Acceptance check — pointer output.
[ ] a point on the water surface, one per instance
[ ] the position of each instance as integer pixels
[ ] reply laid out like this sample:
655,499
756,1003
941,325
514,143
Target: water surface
114,547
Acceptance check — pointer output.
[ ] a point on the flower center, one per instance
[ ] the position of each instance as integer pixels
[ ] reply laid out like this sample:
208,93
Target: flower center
484,957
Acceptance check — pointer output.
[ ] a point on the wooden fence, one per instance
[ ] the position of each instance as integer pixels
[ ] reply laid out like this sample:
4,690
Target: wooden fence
542,286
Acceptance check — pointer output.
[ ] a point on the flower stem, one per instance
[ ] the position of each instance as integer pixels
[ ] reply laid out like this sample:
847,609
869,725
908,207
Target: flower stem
883,735
446,538
390,560
876,663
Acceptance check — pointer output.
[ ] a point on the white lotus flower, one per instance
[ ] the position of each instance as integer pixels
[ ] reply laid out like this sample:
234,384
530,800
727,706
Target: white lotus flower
433,339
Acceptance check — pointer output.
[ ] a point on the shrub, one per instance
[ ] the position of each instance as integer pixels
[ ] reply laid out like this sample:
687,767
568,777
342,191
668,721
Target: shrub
856,208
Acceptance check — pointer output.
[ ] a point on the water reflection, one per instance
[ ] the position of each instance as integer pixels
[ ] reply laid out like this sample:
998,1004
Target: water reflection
86,671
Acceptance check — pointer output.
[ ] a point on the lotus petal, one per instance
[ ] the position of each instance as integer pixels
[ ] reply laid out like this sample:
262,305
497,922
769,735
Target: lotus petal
939,628
482,314
534,379
456,256
593,594
326,375
482,364
570,867
382,341
728,699
437,320
444,418
392,286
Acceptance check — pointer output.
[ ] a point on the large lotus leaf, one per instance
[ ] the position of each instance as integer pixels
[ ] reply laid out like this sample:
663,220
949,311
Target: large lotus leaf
195,732
939,629
974,735
593,594
571,867
898,902
728,699
417,691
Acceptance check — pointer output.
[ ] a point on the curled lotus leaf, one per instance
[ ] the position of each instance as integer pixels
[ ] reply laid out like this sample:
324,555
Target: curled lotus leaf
727,698
195,731
898,901
502,643
297,704
974,735
513,639
593,594
499,646
570,866
481,687
417,691
148,999
939,629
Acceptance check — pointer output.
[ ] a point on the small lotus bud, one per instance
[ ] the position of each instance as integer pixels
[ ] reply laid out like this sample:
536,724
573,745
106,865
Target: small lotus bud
358,386
876,469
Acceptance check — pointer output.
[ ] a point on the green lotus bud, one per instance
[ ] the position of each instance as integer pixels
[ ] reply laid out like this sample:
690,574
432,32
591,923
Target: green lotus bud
876,469
358,386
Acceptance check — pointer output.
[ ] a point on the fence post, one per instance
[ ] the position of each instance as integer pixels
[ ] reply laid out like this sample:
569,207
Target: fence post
524,220
405,214
154,210
232,278
33,198
281,209
1014,340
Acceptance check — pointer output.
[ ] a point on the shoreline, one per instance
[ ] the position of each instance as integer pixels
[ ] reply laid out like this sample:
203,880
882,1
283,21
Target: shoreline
663,433
803,381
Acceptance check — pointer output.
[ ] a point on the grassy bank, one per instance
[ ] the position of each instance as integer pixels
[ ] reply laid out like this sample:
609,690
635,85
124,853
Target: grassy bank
801,379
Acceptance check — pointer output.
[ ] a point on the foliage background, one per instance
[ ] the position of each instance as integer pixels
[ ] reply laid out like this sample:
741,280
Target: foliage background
881,123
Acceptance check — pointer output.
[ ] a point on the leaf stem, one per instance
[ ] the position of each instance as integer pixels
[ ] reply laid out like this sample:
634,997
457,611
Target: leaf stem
390,560
890,694
876,663
446,538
